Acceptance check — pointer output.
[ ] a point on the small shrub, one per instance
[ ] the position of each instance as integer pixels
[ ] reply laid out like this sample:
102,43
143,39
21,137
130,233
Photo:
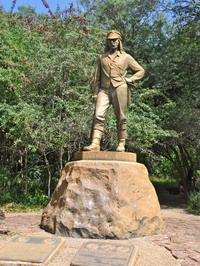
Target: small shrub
5,198
194,203
37,199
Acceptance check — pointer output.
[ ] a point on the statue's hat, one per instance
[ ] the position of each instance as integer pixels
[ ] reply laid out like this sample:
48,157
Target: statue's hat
114,35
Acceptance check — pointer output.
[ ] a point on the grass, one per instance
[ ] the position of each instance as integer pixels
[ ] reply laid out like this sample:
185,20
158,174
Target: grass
177,242
14,207
162,184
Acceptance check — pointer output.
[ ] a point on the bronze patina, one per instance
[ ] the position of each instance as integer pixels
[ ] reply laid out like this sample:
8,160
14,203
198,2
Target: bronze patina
111,88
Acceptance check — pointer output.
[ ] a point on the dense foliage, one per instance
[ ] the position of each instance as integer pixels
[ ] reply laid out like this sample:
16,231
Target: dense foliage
45,108
194,203
46,71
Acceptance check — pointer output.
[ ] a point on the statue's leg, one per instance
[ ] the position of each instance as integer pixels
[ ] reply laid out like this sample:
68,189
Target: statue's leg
101,107
119,102
96,139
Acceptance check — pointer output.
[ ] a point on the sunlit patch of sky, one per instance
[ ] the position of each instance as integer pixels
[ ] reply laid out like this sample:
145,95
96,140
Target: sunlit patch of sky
38,4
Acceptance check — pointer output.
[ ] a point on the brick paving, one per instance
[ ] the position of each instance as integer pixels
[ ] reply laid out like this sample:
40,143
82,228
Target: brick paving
181,237
182,233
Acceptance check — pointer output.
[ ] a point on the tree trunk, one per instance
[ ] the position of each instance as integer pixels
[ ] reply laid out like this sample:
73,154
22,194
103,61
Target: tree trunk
49,174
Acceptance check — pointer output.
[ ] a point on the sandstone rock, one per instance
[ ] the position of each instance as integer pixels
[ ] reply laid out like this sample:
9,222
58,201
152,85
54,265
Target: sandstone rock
103,199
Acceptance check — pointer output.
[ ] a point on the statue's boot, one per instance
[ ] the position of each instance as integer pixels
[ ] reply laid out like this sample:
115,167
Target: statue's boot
96,139
94,146
121,145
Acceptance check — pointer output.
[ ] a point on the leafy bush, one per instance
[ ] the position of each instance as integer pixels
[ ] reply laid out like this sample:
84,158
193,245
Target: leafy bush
194,203
38,199
46,68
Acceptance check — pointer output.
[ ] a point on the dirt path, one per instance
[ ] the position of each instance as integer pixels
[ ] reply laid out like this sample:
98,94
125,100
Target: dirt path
178,245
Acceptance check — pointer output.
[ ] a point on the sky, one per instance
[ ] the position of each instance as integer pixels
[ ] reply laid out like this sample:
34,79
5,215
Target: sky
40,8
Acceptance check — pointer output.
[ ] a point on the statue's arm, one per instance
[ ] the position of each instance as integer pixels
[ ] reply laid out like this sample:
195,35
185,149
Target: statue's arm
136,69
97,77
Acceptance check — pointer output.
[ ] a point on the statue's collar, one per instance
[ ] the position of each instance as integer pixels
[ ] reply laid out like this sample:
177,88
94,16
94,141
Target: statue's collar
116,54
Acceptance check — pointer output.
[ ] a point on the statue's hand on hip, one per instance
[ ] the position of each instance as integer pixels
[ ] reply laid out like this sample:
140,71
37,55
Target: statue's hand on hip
128,80
94,97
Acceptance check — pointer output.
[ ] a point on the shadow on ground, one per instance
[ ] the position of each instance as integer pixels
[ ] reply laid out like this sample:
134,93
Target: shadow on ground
168,201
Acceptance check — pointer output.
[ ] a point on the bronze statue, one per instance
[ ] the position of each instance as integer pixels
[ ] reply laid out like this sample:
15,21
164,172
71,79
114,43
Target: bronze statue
111,87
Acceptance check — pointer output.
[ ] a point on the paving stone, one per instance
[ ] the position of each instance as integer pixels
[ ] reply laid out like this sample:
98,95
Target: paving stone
179,254
164,242
195,257
189,262
176,247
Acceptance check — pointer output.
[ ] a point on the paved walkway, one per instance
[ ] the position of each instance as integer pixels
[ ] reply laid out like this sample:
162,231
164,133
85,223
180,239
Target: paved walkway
181,237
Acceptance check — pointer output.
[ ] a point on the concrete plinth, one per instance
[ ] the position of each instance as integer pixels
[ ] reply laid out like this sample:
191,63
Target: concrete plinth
103,199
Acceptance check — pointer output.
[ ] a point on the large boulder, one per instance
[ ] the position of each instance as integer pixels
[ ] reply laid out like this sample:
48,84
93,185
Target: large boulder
103,199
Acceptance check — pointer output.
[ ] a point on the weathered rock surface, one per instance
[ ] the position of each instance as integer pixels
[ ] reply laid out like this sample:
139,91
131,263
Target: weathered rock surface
103,199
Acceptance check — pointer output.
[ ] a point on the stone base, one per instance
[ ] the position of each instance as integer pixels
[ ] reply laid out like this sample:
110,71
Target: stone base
108,156
103,199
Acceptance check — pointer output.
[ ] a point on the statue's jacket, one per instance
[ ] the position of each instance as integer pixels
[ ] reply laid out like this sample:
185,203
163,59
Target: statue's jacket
112,71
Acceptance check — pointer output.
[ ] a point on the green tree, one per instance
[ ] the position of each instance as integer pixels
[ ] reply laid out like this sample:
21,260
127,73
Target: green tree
26,12
180,81
46,71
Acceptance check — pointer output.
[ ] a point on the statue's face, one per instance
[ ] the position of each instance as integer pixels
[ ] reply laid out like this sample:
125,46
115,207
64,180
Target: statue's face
113,44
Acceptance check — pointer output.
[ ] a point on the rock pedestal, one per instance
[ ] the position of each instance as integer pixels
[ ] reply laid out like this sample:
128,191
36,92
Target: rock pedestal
103,199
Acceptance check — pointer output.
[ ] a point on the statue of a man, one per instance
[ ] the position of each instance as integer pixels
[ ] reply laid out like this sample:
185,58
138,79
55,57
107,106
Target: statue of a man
111,87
